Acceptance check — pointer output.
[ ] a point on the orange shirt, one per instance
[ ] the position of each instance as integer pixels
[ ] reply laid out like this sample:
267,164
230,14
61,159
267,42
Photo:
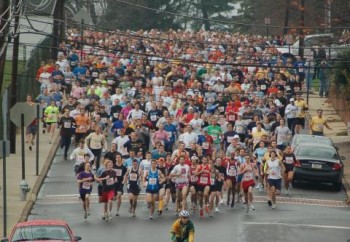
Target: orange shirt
83,123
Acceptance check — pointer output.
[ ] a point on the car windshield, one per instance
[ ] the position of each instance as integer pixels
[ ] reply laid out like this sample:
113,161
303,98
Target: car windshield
319,152
309,139
41,232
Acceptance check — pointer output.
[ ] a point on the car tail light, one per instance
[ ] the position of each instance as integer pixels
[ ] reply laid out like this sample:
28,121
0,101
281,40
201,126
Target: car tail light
337,166
297,163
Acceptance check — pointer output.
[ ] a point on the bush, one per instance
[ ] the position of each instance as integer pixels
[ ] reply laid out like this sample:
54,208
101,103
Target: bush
342,69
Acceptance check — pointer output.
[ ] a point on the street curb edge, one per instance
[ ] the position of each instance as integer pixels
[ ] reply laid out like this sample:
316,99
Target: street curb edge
39,181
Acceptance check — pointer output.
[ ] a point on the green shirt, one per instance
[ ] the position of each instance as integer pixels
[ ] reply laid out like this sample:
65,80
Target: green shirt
215,132
51,113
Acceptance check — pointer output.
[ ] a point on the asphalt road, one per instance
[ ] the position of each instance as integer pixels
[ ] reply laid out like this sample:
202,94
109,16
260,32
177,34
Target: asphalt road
310,213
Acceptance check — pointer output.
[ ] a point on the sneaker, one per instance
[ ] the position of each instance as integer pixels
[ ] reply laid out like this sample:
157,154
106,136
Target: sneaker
258,186
232,204
261,189
160,212
217,209
117,214
269,203
134,215
30,147
166,207
221,201
252,207
103,216
287,192
210,215
44,131
201,212
274,206
88,212
110,216
85,215
151,217
227,203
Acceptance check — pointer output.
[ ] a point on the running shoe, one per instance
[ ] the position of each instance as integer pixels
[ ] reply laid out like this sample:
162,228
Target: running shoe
104,216
217,209
221,201
211,215
166,207
287,192
232,203
201,212
85,215
30,147
227,203
151,217
252,207
261,189
117,214
88,212
134,214
274,206
269,203
258,186
160,212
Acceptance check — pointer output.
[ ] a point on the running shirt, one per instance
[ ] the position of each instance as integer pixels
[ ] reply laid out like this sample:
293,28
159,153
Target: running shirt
193,177
183,171
231,169
120,171
153,180
204,178
282,135
51,113
145,165
274,169
85,186
288,161
259,154
133,178
108,184
215,132
248,175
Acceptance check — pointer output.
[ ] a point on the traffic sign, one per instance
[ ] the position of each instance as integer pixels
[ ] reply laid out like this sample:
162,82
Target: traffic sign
267,21
29,112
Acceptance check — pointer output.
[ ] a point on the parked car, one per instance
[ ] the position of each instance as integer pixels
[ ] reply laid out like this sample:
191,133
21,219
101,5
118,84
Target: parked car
42,230
327,41
308,138
318,163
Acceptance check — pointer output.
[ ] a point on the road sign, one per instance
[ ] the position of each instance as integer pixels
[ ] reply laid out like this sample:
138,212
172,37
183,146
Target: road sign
29,112
267,21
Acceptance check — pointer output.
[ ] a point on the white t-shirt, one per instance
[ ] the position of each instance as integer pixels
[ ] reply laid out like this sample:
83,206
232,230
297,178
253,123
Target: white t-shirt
121,141
145,165
183,171
188,138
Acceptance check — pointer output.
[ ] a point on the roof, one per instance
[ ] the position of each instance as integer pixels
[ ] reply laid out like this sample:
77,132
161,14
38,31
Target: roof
41,222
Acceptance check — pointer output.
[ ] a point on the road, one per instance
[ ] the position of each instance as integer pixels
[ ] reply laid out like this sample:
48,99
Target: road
309,213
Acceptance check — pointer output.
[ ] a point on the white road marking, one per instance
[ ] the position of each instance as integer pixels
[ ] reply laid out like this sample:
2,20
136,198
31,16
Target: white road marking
298,225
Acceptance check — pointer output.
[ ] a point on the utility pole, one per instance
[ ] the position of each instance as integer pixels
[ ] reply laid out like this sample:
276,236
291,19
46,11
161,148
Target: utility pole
4,5
286,18
14,82
55,30
301,28
62,21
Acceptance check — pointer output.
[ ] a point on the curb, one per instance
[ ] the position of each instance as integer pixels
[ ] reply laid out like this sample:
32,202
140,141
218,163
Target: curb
39,181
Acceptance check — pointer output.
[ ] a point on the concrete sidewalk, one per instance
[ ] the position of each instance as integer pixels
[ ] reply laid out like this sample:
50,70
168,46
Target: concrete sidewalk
339,132
18,210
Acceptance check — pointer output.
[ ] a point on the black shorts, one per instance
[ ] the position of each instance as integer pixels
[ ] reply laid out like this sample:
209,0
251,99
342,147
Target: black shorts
288,168
275,183
156,191
119,187
201,188
171,186
99,190
214,188
300,121
134,190
83,195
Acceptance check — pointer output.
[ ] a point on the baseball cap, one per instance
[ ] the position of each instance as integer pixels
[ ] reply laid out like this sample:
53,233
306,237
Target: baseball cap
236,136
291,100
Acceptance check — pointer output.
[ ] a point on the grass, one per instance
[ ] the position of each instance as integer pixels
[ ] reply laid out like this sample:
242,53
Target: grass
8,71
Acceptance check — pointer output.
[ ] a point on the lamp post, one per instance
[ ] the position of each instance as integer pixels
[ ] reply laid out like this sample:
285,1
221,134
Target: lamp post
267,23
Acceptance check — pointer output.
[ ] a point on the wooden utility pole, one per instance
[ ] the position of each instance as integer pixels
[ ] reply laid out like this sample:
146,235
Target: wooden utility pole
4,5
301,28
14,82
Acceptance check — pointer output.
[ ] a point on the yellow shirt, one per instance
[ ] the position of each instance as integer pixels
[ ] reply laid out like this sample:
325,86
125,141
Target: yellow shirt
317,124
301,108
257,136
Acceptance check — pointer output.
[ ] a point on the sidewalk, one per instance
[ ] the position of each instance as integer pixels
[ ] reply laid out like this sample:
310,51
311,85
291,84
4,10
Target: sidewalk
338,133
18,210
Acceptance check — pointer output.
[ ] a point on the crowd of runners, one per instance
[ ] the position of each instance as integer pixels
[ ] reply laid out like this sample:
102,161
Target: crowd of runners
194,119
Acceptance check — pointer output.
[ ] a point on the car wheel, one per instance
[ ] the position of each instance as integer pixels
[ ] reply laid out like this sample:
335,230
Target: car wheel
337,186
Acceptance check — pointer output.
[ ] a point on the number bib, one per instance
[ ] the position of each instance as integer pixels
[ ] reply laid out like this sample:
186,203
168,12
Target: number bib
152,181
203,180
110,181
133,177
86,185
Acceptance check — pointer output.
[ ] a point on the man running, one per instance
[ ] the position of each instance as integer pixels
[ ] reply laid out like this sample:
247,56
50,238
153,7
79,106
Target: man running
132,179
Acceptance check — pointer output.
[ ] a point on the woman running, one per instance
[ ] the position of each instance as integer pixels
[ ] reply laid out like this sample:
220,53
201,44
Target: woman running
132,179
288,162
85,179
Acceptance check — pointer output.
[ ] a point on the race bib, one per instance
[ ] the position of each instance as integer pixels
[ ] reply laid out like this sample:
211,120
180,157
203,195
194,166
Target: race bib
153,118
152,181
133,177
118,172
205,145
212,181
203,180
170,134
239,129
232,171
211,99
248,176
115,115
229,139
80,158
104,120
214,136
263,87
194,178
222,109
231,118
110,181
289,160
86,185
67,125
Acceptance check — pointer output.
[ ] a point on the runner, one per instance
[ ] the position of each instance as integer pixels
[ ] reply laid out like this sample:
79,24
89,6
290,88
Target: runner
153,177
274,168
248,170
51,118
181,172
203,173
108,178
85,179
79,155
182,229
216,182
161,167
259,154
120,171
132,179
67,124
193,183
231,171
288,161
